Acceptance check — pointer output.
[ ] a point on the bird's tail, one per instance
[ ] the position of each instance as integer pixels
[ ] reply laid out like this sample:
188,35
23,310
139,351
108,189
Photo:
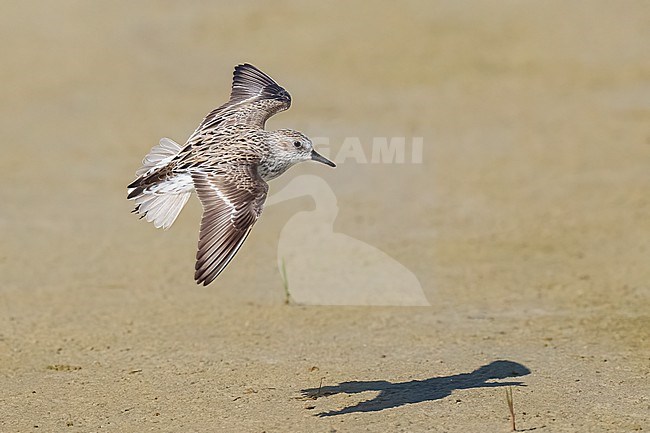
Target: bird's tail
159,156
159,203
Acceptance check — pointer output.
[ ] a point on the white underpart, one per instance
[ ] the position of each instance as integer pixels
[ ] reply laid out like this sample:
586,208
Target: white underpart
162,203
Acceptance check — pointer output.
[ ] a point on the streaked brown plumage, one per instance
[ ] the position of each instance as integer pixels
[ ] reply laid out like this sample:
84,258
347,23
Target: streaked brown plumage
227,161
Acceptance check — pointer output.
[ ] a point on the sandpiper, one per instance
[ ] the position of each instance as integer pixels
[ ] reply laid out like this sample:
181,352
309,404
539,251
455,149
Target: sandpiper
227,161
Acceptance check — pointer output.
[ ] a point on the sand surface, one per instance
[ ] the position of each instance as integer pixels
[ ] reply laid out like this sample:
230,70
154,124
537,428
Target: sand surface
527,223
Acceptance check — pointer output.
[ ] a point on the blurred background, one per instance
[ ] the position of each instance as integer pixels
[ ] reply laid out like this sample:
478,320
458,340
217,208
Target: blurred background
531,200
534,117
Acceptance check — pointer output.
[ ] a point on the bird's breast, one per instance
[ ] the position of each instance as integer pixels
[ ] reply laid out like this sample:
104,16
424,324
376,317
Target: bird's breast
272,168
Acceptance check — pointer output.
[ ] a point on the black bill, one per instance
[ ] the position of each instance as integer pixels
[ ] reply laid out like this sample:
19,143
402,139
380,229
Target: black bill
315,156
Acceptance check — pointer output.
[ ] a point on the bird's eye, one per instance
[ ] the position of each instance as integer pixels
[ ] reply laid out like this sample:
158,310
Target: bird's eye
297,143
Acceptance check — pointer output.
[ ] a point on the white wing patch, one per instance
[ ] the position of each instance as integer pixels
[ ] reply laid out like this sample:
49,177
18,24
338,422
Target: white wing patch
224,198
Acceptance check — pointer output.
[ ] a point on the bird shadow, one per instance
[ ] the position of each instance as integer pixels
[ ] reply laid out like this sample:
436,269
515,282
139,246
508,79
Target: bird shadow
416,391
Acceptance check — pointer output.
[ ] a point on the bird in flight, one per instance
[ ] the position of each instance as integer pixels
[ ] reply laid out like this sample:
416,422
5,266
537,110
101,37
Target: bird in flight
227,161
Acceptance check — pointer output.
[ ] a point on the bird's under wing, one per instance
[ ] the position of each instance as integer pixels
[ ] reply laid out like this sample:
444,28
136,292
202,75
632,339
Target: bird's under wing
232,202
253,99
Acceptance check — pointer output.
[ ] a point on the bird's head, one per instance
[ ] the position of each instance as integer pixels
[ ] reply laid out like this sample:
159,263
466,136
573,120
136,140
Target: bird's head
297,147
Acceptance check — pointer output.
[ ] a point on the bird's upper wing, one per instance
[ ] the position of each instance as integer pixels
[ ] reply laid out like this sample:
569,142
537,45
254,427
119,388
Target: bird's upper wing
254,98
232,201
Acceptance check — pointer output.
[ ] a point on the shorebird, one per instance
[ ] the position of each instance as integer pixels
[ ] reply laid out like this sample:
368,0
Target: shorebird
227,161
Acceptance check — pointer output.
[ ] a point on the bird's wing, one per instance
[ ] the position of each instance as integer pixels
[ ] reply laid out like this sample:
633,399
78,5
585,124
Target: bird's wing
253,99
232,201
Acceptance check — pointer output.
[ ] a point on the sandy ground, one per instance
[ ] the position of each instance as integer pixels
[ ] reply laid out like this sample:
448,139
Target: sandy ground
526,224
